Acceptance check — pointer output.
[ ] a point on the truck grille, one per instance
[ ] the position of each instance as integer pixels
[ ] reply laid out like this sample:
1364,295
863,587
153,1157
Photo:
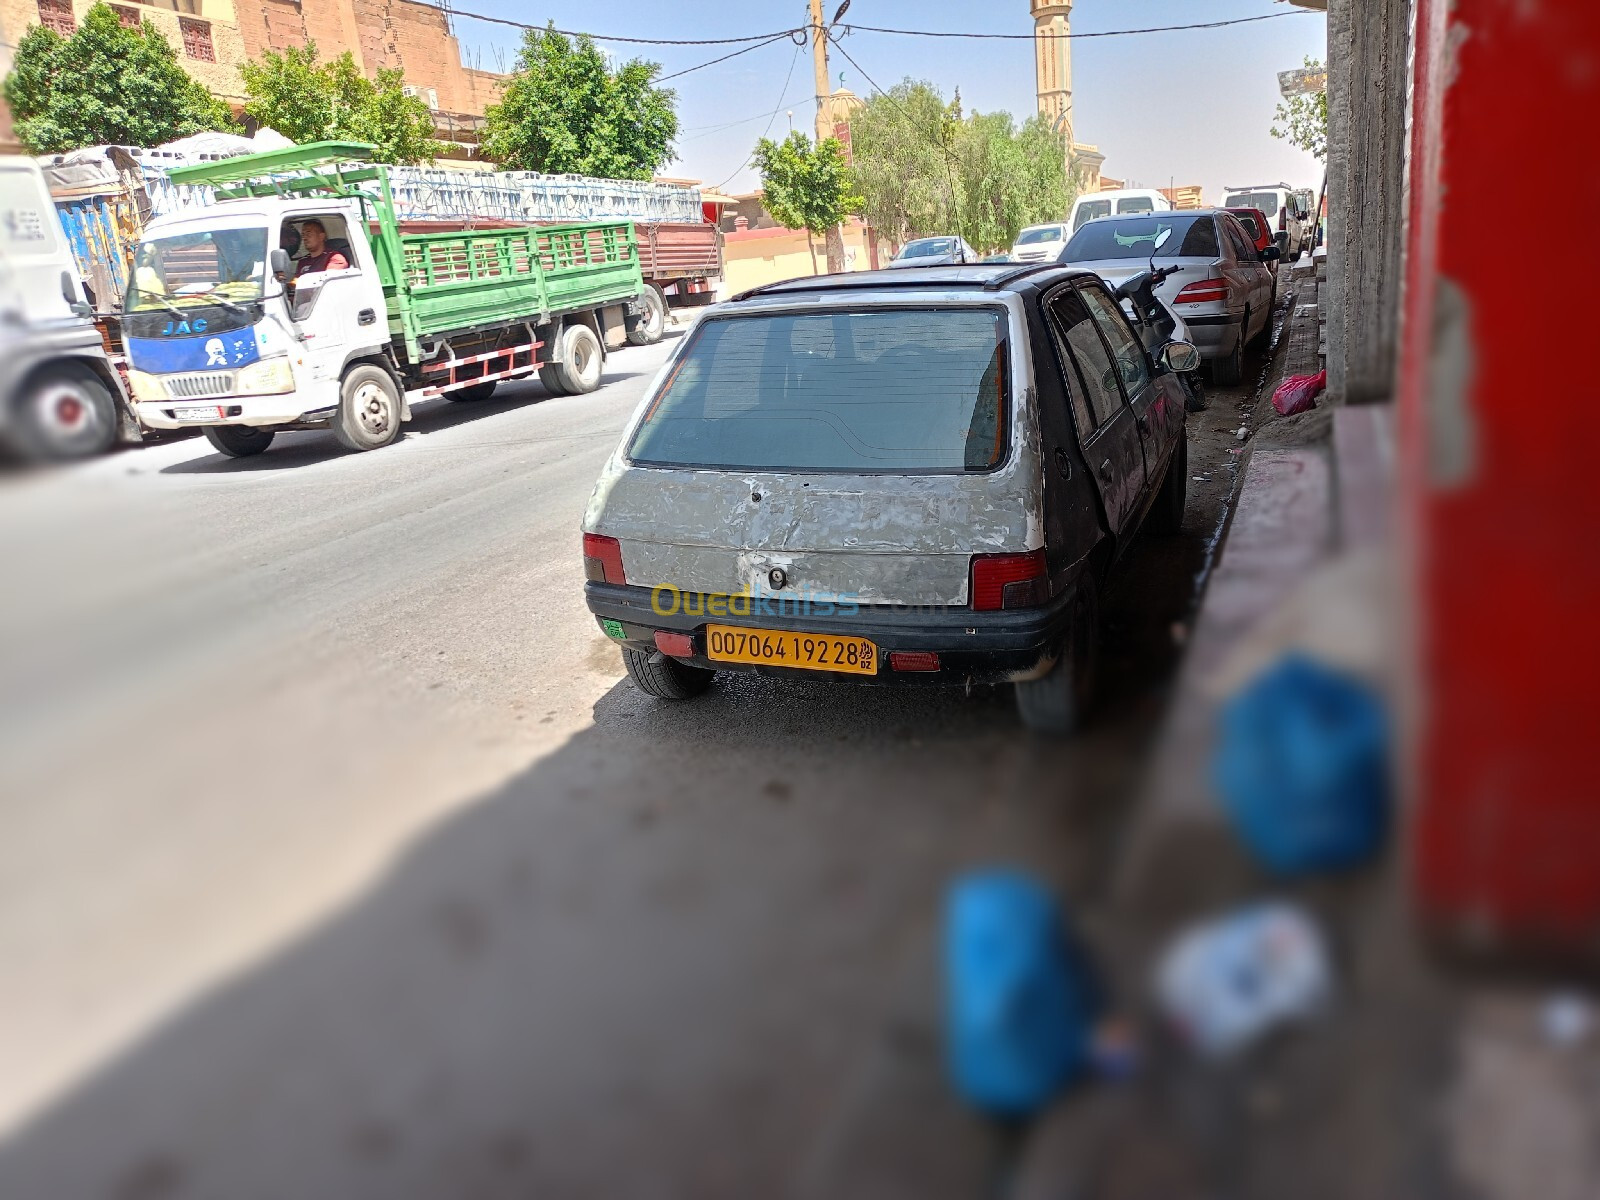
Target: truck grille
200,384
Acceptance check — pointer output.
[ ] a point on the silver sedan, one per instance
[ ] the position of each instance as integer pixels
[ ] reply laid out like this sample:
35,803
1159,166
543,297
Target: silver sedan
934,252
1222,289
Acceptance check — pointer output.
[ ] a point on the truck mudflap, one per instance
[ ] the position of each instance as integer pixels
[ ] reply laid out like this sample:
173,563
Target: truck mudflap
492,366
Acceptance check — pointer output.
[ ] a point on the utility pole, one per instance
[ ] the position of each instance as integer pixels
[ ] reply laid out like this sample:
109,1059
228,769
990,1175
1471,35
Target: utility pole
819,63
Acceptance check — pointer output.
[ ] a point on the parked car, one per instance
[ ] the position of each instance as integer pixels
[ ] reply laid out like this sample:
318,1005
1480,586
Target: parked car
1223,291
1286,209
1119,203
934,252
1259,231
1040,243
889,478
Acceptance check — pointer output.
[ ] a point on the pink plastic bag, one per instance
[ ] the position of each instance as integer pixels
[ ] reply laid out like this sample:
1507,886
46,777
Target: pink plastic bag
1298,393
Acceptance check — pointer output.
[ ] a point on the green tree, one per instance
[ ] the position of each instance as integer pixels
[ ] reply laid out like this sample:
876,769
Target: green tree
564,110
311,101
923,166
806,187
1302,120
105,84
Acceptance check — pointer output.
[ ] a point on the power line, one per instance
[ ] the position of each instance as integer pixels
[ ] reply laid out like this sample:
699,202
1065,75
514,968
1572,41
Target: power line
1063,37
746,50
638,41
783,95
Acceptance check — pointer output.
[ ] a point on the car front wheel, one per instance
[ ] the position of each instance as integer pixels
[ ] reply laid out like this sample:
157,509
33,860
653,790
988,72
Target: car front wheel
1228,371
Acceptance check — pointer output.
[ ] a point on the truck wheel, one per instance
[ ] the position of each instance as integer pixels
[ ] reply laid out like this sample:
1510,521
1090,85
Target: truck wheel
476,391
1059,703
551,378
65,412
579,368
239,441
1229,371
647,330
369,409
1166,514
665,678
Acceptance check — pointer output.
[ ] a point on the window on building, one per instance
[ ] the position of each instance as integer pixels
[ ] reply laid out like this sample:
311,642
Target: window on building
129,17
57,15
197,40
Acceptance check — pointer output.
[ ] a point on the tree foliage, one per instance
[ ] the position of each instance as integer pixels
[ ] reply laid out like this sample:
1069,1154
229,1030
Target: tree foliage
807,187
1302,121
564,110
311,101
106,84
924,167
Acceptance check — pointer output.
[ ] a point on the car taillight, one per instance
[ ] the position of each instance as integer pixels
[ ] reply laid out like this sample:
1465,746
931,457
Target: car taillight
913,660
1009,581
1282,218
1204,291
602,559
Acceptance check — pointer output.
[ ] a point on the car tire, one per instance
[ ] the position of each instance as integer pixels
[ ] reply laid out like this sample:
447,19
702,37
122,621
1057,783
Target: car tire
581,360
1265,333
473,392
369,413
1059,703
665,678
1229,371
239,441
64,412
1166,514
652,325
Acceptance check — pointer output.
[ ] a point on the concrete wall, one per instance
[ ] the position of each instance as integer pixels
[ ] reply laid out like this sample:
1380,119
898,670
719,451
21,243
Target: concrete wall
754,257
1367,90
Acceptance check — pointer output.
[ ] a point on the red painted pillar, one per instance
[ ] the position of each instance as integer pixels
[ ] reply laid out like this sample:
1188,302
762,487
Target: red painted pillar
1499,413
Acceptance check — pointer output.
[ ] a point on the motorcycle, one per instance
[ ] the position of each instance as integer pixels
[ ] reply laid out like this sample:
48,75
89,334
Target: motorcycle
1159,325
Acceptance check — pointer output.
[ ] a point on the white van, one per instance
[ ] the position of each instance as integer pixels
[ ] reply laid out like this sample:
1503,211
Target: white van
1117,204
1288,211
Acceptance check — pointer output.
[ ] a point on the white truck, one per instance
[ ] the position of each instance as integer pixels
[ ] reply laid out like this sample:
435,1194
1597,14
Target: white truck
60,397
227,331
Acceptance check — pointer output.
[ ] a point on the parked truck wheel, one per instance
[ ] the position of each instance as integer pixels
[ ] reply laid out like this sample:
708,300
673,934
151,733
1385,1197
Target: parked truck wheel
476,391
647,329
1059,703
64,412
665,678
551,378
239,441
579,369
369,409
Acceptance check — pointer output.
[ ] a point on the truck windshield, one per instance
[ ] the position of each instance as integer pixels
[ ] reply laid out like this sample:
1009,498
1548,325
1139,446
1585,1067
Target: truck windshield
849,391
192,269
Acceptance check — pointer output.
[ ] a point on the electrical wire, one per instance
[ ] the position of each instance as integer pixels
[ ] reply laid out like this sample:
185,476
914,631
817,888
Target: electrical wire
745,50
637,41
783,96
1063,37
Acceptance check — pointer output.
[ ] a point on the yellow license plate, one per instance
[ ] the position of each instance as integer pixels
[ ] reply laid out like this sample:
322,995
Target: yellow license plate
804,651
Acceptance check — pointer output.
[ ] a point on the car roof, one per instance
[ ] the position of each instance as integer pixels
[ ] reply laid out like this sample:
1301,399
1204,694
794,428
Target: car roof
985,277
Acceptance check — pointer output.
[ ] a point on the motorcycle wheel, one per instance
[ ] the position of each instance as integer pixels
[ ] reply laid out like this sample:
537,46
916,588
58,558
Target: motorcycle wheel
1195,399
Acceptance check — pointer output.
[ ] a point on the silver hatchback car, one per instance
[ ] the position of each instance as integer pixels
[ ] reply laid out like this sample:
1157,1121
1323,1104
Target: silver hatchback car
1223,288
889,478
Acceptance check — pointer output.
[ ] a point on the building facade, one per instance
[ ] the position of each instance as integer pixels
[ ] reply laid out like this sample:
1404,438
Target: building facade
1053,63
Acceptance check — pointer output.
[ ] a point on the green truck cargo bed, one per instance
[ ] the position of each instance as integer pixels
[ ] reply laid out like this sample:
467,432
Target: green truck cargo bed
447,282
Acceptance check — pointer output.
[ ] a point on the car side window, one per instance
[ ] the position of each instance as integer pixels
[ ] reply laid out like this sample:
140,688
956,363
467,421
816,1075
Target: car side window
1242,249
1126,349
1084,361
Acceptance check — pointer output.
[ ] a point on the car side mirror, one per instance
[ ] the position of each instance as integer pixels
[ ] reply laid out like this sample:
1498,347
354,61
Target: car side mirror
69,293
1271,254
1180,357
279,259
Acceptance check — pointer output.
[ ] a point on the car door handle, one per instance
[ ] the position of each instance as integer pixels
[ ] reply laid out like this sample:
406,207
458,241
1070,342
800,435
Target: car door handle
1105,470
1063,463
1143,422
366,317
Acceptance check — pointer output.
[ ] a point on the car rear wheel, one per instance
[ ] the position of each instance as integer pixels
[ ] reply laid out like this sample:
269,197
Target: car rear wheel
239,441
1228,371
1166,515
665,678
1059,703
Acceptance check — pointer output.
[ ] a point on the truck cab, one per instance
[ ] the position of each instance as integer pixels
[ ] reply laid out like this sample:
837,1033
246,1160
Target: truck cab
224,332
60,398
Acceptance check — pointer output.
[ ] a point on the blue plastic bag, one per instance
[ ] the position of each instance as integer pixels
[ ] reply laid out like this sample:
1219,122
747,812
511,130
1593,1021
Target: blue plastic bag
1019,998
1303,768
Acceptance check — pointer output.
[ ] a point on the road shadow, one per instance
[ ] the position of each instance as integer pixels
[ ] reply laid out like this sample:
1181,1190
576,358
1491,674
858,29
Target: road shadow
298,449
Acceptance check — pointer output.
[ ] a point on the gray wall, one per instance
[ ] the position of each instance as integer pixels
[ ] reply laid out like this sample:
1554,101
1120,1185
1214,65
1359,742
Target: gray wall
1367,89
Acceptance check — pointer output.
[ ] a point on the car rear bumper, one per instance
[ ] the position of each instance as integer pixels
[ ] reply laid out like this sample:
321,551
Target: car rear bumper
999,647
1214,334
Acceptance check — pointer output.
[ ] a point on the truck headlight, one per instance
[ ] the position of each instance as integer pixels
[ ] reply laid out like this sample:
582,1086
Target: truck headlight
264,378
146,386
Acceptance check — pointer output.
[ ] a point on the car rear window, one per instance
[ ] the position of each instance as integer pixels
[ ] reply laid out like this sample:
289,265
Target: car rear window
1090,210
1136,204
1251,225
902,390
1267,202
929,247
1133,237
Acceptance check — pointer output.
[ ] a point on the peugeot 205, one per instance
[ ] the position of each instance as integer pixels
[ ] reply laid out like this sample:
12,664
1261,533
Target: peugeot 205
889,478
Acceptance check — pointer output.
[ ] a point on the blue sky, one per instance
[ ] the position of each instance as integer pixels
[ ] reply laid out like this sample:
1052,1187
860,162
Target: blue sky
1190,107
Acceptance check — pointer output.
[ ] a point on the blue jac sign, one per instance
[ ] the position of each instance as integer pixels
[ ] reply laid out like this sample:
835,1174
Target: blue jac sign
216,352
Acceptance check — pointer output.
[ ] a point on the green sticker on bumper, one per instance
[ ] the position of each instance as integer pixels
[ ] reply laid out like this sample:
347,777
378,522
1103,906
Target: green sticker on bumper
614,629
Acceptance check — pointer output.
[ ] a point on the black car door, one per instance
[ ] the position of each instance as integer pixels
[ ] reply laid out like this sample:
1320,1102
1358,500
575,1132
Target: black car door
1107,430
1158,417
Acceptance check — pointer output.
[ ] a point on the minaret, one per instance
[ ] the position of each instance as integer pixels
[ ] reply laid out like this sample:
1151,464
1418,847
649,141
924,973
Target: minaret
1053,63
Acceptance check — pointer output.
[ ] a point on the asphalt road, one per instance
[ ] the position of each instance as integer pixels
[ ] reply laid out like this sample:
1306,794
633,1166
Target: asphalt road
338,859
